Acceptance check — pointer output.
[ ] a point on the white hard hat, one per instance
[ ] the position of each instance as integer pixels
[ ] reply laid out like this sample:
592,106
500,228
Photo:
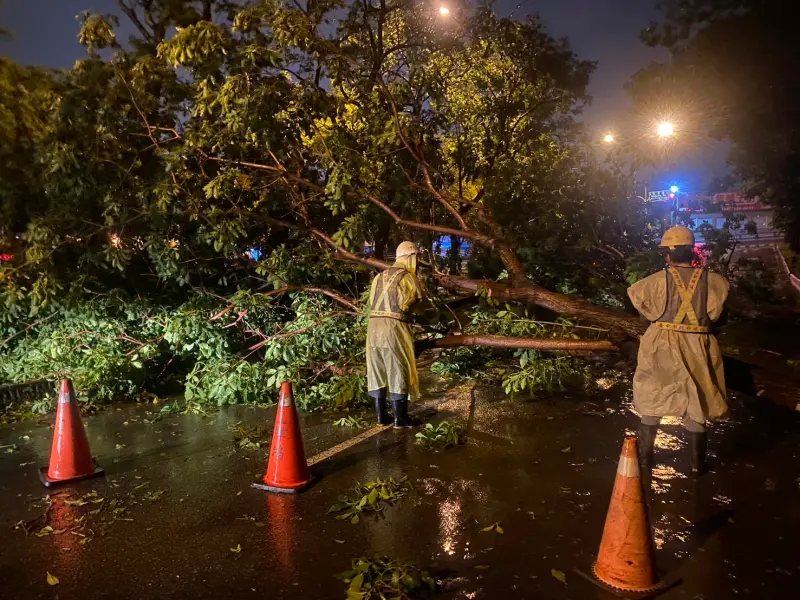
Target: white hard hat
677,236
406,249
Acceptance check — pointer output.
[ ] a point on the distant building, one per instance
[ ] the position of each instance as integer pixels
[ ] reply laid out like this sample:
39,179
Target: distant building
704,209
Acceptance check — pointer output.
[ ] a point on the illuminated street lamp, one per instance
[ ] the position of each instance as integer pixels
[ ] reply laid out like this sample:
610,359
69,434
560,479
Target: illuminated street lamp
608,138
665,129
444,11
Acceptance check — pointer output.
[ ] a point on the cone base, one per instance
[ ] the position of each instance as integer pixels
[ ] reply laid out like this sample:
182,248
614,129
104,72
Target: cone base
48,482
260,485
652,592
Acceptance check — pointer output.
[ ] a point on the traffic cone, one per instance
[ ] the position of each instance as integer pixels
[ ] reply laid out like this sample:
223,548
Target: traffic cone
626,560
287,469
70,458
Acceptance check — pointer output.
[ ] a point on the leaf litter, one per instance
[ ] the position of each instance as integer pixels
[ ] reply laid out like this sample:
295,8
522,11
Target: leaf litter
85,516
371,497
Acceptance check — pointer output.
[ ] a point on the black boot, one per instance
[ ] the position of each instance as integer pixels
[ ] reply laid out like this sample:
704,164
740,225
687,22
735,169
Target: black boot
647,439
400,408
380,406
698,444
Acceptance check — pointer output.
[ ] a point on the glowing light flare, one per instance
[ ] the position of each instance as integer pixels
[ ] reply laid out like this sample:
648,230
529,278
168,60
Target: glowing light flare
608,138
115,240
665,129
444,11
673,189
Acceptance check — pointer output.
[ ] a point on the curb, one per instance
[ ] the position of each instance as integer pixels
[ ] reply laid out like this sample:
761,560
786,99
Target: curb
792,278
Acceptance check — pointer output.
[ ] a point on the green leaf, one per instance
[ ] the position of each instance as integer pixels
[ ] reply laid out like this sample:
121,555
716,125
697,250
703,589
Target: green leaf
559,575
355,520
52,579
237,549
356,583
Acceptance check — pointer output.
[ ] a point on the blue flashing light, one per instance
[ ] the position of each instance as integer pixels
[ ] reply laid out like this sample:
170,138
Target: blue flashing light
673,189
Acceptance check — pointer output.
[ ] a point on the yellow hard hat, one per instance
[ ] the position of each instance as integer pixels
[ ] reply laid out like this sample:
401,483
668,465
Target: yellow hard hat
406,249
677,236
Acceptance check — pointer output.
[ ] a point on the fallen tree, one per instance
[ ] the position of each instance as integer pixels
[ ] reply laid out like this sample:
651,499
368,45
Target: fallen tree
259,149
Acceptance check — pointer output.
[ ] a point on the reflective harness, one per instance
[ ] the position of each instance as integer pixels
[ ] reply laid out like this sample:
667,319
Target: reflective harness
385,301
686,310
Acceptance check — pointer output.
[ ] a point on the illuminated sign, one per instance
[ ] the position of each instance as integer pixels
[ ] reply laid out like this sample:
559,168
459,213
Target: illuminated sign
738,202
659,196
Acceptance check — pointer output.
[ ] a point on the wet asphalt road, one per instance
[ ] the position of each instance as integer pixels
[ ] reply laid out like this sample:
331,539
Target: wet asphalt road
176,500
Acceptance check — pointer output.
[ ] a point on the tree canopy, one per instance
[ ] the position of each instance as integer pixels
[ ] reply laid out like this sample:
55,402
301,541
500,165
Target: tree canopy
157,165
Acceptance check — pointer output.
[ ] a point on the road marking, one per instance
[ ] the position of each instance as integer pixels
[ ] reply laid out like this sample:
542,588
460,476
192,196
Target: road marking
326,454
364,435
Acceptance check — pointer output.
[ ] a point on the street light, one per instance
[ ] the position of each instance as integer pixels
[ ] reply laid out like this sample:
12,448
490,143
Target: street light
665,129
444,11
673,189
608,138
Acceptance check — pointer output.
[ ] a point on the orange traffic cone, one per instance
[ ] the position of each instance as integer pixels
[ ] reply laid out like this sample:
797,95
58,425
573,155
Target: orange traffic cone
287,469
70,458
626,561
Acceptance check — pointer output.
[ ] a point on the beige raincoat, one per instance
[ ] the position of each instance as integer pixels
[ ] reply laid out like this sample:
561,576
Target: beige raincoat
679,370
390,344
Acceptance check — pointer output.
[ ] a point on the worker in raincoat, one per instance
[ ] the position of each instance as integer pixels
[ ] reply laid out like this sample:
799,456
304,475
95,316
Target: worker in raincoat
391,366
679,371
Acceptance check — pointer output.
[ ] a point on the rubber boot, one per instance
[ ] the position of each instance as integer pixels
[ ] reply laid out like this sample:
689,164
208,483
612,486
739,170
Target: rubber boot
379,396
647,439
698,444
400,408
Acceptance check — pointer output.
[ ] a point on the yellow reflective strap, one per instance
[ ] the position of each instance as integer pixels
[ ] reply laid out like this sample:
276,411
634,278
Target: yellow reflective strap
683,328
686,309
381,304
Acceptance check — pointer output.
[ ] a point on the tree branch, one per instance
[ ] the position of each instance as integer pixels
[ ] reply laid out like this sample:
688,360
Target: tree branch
130,12
316,290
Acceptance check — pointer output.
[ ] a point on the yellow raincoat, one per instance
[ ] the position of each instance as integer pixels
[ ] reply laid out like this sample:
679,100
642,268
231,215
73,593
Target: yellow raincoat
390,344
679,370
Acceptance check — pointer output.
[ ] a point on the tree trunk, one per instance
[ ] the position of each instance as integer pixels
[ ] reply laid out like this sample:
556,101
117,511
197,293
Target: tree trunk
507,343
618,323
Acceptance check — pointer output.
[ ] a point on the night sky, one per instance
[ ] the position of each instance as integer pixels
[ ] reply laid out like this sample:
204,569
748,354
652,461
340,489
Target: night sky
606,31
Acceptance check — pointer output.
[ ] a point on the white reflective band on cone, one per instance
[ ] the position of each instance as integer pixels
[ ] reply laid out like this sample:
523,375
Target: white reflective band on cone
628,467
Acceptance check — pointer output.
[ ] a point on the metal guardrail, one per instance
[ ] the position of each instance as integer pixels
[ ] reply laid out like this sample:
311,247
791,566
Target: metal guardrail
28,391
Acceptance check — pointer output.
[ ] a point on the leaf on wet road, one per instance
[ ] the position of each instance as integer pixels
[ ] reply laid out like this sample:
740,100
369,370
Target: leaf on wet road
567,449
481,567
121,446
46,530
237,549
494,527
559,575
339,541
51,579
154,495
